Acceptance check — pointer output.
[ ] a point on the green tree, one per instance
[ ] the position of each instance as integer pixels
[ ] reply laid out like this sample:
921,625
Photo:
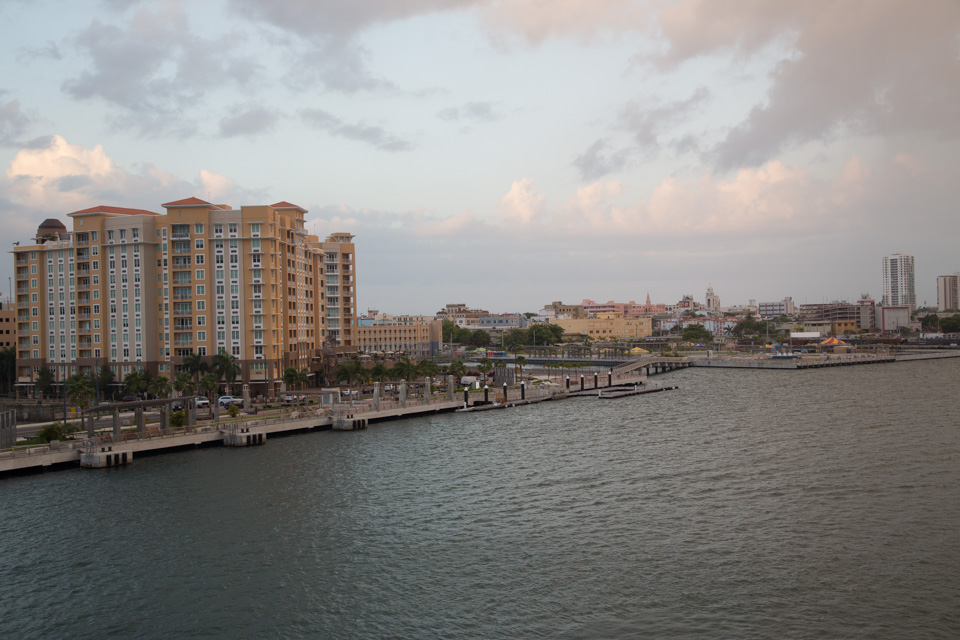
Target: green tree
183,383
177,419
195,365
135,382
8,368
378,372
950,324
457,369
479,338
44,381
427,368
930,322
403,369
209,384
159,387
105,382
696,333
485,366
449,328
519,362
79,390
226,368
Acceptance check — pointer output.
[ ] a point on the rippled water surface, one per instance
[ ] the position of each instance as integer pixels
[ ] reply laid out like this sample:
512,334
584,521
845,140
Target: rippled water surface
811,504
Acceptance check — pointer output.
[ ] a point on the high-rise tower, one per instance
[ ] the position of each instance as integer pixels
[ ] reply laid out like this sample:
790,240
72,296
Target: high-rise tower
898,281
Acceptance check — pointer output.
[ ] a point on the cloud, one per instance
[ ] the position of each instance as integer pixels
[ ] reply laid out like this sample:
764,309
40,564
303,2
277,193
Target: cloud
155,70
54,177
14,122
538,21
848,68
647,121
471,111
522,206
597,161
376,136
249,120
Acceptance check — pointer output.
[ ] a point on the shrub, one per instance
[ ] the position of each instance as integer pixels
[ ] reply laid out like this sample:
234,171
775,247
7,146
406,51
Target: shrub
177,419
233,411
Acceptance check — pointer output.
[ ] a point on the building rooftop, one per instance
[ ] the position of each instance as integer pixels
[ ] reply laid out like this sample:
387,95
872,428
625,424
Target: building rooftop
187,202
114,210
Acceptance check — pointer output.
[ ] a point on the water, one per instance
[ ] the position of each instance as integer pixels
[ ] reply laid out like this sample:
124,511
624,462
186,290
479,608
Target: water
812,504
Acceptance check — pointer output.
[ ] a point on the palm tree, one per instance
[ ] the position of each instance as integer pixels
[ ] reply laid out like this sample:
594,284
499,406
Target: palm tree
135,382
225,366
378,372
79,390
519,361
209,383
427,368
44,380
403,369
485,366
159,387
105,380
457,369
183,382
195,364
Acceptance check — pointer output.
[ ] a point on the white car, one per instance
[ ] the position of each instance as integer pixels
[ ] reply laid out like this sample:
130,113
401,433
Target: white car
201,402
226,401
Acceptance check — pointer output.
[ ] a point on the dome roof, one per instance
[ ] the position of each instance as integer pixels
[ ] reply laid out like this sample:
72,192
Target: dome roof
51,224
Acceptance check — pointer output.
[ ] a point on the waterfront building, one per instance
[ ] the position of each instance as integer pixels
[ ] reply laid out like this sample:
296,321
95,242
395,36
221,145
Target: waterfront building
502,322
559,311
461,315
841,317
134,289
8,325
890,319
624,309
415,339
784,307
948,292
607,328
719,326
898,281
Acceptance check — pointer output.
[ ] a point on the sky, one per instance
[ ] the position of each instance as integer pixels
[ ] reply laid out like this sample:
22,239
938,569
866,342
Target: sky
509,153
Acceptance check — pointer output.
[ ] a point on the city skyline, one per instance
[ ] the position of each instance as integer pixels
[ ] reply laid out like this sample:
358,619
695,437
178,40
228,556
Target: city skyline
477,149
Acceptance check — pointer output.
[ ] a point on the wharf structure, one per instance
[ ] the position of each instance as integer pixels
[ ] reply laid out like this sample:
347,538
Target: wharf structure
134,289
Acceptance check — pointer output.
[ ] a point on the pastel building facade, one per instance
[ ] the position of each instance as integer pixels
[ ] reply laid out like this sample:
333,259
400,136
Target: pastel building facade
131,289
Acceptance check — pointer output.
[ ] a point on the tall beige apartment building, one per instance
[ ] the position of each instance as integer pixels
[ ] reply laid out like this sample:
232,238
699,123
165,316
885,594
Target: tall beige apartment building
130,288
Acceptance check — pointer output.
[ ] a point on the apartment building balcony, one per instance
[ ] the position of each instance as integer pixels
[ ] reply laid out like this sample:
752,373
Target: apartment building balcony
83,287
180,236
85,344
183,326
182,296
23,332
347,280
84,271
183,312
180,282
82,243
23,304
83,316
183,343
182,250
83,331
23,289
22,260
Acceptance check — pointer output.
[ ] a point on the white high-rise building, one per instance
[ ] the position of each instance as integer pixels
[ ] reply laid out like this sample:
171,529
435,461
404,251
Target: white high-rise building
898,281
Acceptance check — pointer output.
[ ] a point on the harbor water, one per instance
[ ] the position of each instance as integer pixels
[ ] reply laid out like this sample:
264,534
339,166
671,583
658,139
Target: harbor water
746,504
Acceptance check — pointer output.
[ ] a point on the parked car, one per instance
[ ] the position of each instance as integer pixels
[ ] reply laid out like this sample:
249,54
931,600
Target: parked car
226,401
290,397
177,406
128,398
201,403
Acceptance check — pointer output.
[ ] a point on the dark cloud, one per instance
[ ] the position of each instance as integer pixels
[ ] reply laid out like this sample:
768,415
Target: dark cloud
376,136
14,122
597,161
471,111
880,68
647,121
249,121
155,70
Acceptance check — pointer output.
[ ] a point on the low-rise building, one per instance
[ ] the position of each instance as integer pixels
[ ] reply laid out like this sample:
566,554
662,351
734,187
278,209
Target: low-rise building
784,307
8,325
608,328
415,339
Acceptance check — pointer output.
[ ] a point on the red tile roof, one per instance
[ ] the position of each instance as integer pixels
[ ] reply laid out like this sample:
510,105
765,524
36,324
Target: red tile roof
187,202
121,210
283,204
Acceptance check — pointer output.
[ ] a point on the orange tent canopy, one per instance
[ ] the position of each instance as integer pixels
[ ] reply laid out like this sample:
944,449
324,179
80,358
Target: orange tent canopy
832,342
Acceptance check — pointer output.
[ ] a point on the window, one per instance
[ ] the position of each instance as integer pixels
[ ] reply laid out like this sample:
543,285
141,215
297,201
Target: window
218,229
201,290
198,228
200,274
233,228
199,258
198,243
